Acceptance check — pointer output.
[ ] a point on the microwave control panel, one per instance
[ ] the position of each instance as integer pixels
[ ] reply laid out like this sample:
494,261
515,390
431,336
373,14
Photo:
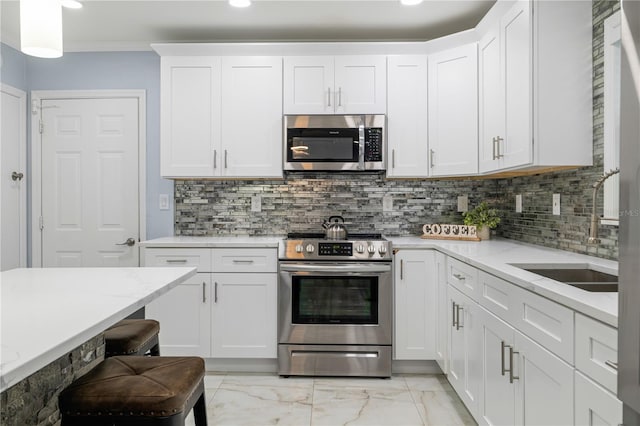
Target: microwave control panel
373,144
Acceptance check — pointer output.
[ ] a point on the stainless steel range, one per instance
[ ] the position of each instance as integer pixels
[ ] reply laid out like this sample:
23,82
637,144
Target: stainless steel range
335,306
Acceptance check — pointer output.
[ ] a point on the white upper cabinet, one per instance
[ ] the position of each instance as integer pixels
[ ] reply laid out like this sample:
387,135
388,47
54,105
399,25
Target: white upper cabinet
407,116
535,87
221,117
251,117
335,85
190,115
453,111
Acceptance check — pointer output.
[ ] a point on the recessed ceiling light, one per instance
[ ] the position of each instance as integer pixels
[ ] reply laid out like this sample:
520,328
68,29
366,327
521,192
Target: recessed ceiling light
410,2
71,4
240,3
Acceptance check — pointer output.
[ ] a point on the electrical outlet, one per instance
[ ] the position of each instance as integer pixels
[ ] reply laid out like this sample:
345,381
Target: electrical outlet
387,203
463,203
163,201
256,203
519,203
556,204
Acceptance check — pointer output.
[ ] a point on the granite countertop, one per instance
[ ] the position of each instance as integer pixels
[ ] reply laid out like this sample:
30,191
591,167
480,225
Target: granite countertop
213,242
47,312
497,256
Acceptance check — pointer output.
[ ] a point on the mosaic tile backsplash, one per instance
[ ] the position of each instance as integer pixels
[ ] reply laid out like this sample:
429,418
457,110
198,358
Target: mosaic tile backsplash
301,202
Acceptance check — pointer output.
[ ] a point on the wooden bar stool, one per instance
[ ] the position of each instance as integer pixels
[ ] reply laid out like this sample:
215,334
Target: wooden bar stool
132,337
140,391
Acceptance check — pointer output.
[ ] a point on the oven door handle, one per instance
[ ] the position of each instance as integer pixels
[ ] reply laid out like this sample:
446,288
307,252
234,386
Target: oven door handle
335,268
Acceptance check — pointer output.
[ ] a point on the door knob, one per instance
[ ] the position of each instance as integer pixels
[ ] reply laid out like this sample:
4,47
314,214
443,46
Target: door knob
16,176
129,242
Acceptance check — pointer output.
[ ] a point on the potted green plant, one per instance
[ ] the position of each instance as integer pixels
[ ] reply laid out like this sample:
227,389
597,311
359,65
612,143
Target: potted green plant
483,218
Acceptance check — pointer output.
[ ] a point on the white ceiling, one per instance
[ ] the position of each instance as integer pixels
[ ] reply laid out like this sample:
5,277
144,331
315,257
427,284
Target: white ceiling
132,25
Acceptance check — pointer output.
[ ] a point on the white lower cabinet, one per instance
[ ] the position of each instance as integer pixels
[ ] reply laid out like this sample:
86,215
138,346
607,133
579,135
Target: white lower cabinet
244,315
184,314
594,405
415,301
442,319
465,373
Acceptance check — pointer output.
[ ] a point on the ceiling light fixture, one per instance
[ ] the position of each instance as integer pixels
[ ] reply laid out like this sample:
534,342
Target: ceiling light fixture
41,28
410,2
240,3
71,4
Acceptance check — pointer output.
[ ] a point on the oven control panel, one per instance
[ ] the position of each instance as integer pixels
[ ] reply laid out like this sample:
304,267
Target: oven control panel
335,249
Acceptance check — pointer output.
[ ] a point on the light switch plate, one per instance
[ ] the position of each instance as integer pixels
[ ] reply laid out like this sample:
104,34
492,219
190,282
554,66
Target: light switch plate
256,203
519,203
556,204
463,203
163,201
387,203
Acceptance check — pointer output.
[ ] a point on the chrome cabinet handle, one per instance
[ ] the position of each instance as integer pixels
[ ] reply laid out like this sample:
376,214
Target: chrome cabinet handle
340,96
432,155
393,158
493,147
225,158
130,242
511,376
502,348
458,309
401,269
204,292
328,96
498,139
459,277
453,313
215,158
242,261
611,364
176,261
215,292
16,176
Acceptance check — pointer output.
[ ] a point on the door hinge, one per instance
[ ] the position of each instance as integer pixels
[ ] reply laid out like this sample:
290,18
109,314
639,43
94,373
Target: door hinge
41,126
41,223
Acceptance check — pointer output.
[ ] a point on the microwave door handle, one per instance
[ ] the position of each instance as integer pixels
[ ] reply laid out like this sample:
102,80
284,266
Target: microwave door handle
361,147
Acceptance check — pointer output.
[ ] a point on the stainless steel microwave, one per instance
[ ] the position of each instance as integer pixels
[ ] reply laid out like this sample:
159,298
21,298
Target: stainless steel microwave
334,143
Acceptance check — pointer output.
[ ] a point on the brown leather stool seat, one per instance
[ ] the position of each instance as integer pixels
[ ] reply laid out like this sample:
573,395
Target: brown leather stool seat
132,337
126,390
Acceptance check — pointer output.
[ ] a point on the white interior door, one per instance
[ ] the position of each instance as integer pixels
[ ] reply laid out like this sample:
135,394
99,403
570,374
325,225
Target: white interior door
90,202
13,212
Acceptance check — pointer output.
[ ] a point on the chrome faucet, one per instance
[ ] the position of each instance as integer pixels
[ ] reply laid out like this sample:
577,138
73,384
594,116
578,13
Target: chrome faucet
595,220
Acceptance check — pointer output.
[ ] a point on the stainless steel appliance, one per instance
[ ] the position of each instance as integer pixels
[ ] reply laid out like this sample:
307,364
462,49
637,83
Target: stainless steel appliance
334,143
629,233
335,306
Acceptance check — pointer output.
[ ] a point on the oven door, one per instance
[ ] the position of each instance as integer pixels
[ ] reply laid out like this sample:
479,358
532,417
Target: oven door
335,303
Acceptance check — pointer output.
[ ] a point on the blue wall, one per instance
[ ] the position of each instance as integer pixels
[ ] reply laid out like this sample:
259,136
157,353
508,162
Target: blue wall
104,70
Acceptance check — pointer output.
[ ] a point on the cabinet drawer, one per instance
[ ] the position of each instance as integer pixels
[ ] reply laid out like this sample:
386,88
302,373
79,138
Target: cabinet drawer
546,322
200,258
463,277
497,296
245,260
597,351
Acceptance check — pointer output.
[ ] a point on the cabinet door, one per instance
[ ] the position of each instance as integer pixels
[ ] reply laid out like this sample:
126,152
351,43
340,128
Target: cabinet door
251,117
544,388
407,116
594,405
415,298
190,116
442,319
516,34
308,85
360,84
453,111
244,318
491,100
497,398
184,314
465,361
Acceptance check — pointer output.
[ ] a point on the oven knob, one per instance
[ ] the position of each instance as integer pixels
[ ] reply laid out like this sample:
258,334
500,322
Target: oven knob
360,248
371,249
310,248
382,250
299,248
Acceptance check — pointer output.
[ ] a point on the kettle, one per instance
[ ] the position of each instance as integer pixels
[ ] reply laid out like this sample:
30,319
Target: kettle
335,228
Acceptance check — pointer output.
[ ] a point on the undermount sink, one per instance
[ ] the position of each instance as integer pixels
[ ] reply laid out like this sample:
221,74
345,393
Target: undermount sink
577,275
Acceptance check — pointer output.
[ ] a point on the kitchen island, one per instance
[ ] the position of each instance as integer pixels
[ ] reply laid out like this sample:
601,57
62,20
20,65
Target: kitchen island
48,313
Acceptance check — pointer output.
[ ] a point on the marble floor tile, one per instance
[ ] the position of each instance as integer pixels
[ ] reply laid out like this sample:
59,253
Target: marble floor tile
428,382
442,408
268,380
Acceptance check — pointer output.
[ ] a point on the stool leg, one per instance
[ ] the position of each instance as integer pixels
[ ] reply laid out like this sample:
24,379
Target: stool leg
155,350
200,412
